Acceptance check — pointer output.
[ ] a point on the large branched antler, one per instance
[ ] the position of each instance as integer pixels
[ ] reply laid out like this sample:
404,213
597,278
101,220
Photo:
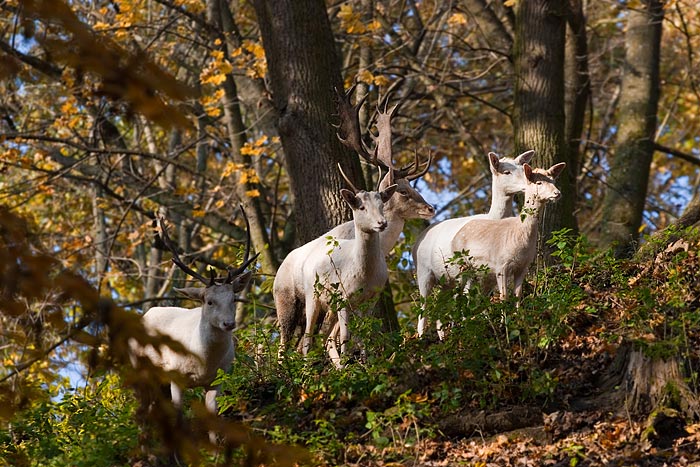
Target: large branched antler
381,155
169,244
232,274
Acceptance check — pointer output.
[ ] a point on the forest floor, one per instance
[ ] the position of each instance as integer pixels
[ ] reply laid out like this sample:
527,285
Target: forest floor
582,430
587,419
608,390
586,427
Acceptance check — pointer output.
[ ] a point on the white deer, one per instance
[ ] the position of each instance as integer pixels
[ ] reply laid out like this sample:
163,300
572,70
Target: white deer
205,331
508,246
433,248
406,203
355,267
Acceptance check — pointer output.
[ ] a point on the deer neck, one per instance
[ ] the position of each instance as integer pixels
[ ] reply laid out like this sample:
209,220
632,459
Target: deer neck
391,234
367,248
501,205
530,213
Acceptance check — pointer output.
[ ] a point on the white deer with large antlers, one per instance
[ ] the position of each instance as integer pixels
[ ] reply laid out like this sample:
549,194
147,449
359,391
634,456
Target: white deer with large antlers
406,203
433,248
355,267
205,331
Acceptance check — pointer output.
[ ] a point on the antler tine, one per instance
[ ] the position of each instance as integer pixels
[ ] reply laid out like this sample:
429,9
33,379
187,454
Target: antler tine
383,138
176,258
233,273
420,173
349,128
347,180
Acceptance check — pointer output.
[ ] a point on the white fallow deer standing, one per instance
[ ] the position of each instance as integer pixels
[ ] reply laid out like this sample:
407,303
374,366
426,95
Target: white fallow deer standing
508,246
355,267
205,331
433,248
406,203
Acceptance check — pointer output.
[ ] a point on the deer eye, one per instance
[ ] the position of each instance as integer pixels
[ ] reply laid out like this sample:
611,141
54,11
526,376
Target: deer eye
210,303
506,172
538,183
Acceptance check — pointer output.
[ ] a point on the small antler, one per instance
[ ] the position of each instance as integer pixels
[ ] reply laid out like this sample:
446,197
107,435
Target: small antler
347,180
165,238
234,273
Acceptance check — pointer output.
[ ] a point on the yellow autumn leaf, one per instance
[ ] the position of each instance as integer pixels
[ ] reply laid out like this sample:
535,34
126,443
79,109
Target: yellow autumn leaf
198,213
215,79
381,80
252,193
457,19
365,76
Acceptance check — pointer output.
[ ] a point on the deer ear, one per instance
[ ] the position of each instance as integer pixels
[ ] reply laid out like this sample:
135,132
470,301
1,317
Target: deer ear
350,198
493,162
528,171
525,157
387,193
195,293
240,282
556,170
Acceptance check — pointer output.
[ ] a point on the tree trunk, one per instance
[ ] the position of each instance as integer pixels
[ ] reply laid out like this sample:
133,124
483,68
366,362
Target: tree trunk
577,91
237,138
629,168
303,68
538,117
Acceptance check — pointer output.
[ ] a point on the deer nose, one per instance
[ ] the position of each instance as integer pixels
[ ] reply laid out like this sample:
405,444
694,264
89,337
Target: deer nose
229,325
382,225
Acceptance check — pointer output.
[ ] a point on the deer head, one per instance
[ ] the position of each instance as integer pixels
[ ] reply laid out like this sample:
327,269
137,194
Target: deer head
219,295
408,203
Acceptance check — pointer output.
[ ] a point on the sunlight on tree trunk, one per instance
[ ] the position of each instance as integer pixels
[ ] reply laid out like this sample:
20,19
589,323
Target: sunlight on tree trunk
625,198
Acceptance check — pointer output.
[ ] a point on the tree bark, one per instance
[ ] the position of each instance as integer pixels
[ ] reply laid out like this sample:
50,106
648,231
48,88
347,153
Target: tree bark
303,68
624,201
577,91
538,117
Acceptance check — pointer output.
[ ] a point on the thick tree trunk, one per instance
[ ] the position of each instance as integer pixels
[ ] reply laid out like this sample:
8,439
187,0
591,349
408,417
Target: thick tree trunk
623,205
303,68
538,117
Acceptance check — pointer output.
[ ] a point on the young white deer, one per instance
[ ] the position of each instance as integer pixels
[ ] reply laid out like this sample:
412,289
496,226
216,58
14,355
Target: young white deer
433,248
357,266
205,331
508,246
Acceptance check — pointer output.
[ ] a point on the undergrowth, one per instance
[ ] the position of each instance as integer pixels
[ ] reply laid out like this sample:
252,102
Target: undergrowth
396,388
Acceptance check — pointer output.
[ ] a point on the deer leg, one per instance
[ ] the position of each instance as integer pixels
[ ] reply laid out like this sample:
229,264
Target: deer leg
332,346
210,403
312,311
343,332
